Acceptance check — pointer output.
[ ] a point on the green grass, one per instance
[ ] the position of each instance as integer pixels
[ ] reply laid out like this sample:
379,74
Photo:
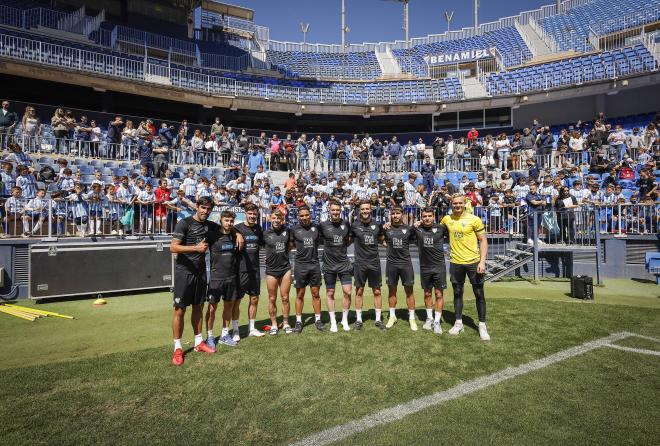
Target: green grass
105,377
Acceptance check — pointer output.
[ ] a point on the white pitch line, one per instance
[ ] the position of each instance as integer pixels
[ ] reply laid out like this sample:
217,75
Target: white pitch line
635,350
396,413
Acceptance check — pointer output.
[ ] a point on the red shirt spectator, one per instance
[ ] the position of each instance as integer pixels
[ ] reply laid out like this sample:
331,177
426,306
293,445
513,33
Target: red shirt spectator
472,135
162,194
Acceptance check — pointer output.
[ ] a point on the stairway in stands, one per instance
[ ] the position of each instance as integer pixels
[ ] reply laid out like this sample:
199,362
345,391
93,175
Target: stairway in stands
515,256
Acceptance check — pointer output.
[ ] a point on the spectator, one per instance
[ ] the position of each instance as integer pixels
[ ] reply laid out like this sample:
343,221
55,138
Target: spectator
255,160
217,128
472,136
113,136
31,127
58,125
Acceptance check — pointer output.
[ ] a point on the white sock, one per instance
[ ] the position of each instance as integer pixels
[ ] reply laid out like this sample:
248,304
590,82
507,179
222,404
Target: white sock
333,319
317,317
438,315
358,313
198,339
378,312
234,325
209,334
411,315
177,344
225,331
344,316
251,324
299,318
482,324
458,322
392,310
429,313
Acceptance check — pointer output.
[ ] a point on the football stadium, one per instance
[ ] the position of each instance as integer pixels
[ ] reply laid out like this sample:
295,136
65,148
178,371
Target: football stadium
212,236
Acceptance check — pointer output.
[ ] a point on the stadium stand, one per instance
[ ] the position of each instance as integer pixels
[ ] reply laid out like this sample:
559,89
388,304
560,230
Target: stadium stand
571,29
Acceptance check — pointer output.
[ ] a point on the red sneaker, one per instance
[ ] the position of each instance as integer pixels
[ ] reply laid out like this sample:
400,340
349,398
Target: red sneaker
177,357
202,347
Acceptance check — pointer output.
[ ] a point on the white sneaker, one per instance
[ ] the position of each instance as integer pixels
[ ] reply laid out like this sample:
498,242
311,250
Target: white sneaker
345,326
530,242
428,324
456,329
413,324
287,329
235,336
483,332
437,328
541,242
114,232
333,328
256,333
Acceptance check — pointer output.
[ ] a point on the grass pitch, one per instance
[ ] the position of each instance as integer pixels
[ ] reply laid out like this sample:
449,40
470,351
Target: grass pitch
105,377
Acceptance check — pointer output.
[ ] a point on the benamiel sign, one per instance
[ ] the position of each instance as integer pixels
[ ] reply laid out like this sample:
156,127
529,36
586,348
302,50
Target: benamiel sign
460,56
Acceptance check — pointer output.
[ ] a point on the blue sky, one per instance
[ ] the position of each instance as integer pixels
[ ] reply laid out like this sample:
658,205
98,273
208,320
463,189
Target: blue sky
373,20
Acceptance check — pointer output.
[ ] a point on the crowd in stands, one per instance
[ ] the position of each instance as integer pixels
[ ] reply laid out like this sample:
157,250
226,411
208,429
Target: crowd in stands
507,178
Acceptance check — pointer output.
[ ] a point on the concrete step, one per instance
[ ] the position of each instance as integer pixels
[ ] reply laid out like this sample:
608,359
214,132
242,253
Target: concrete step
473,88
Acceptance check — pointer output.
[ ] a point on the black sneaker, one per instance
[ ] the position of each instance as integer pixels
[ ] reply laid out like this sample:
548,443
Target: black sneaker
319,325
380,326
357,325
298,328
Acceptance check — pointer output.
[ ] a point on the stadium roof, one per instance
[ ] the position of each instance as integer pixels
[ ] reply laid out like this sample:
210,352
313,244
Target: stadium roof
227,9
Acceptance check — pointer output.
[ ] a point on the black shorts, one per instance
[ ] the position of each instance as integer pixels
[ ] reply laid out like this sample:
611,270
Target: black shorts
304,275
434,279
250,284
277,274
330,278
363,275
405,273
189,289
458,271
226,289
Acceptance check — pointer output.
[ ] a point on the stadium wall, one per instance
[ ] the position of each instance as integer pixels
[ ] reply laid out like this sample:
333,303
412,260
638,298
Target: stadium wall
622,258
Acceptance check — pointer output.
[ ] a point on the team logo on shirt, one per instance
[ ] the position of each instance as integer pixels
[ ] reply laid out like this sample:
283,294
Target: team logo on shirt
434,230
313,229
404,230
284,233
342,227
373,227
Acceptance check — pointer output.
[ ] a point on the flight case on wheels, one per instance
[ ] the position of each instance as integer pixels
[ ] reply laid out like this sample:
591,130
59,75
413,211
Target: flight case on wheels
582,287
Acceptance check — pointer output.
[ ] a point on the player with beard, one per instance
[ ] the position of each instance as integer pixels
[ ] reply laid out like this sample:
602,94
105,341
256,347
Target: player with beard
433,272
399,265
469,249
304,237
335,235
249,274
278,271
190,243
366,235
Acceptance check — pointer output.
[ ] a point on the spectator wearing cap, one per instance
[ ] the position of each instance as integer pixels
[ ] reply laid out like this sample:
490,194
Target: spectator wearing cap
428,173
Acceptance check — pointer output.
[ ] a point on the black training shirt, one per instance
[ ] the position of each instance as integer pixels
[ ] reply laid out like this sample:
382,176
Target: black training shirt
249,255
398,244
334,237
306,241
365,237
224,257
191,232
430,244
277,250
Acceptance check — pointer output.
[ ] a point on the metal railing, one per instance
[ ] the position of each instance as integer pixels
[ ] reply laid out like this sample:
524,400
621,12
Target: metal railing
124,34
545,36
109,65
